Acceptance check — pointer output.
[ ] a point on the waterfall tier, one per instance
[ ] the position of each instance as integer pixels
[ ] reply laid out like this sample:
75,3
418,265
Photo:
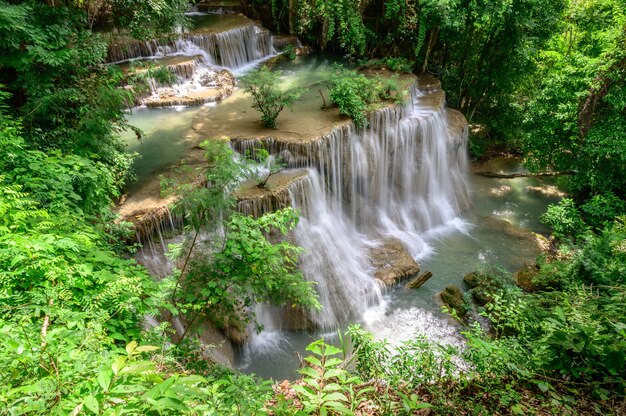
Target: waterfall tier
398,179
231,48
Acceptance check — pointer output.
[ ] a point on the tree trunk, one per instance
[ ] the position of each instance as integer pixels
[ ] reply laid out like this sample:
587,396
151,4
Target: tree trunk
419,280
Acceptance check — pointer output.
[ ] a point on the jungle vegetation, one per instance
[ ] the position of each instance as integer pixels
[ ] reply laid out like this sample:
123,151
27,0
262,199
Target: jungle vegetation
544,79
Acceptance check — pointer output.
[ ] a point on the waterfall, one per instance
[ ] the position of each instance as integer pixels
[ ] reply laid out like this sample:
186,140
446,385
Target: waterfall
400,177
231,48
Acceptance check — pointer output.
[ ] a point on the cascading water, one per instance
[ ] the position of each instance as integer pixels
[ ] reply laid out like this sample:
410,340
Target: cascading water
233,42
232,48
400,177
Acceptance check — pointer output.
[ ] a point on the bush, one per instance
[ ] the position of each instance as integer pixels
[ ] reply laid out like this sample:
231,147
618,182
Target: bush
268,98
351,92
564,219
601,210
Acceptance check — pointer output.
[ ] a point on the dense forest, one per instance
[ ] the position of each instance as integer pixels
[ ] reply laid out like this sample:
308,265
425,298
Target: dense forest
542,80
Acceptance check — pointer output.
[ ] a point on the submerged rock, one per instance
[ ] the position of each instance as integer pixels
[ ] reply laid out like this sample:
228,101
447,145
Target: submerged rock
392,262
452,297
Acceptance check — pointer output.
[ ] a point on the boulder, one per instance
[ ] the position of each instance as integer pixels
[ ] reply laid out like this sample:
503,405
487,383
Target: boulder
392,261
472,280
481,295
524,276
452,297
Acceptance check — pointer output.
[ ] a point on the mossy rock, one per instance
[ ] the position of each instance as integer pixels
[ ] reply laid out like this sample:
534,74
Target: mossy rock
524,277
452,297
481,296
472,280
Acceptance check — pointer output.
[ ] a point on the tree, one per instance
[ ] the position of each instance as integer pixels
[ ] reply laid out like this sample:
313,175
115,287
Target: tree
576,118
268,97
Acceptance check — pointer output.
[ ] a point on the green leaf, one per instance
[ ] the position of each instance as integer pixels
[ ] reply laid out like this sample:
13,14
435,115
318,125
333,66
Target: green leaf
313,360
118,364
104,380
146,348
92,404
130,347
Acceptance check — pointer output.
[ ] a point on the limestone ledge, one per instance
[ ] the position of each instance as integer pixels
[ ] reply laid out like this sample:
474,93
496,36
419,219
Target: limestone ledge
218,86
257,201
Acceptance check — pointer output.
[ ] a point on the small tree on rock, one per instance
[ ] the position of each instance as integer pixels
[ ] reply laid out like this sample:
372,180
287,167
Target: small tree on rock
268,97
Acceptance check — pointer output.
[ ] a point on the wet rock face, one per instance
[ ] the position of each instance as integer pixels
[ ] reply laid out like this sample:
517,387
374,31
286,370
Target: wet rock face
392,262
257,201
296,319
452,297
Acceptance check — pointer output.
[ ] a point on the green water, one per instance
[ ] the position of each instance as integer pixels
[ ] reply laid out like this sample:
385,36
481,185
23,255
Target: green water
164,143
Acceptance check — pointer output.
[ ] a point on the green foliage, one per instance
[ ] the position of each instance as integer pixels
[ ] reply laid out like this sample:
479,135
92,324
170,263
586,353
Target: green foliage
354,93
268,97
601,210
349,91
327,388
339,22
564,219
584,339
242,263
60,182
145,20
142,75
65,267
397,64
574,118
242,268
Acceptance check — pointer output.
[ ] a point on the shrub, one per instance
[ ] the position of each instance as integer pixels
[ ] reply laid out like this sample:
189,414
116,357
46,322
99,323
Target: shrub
601,210
268,97
564,219
352,92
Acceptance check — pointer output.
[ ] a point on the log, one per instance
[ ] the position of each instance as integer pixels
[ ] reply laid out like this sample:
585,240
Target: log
419,280
524,175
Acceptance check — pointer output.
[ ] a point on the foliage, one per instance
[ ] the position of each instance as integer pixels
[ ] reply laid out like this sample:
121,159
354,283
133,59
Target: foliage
353,92
340,22
326,387
243,268
268,97
564,219
143,75
64,268
273,164
397,64
574,119
241,264
601,210
349,91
